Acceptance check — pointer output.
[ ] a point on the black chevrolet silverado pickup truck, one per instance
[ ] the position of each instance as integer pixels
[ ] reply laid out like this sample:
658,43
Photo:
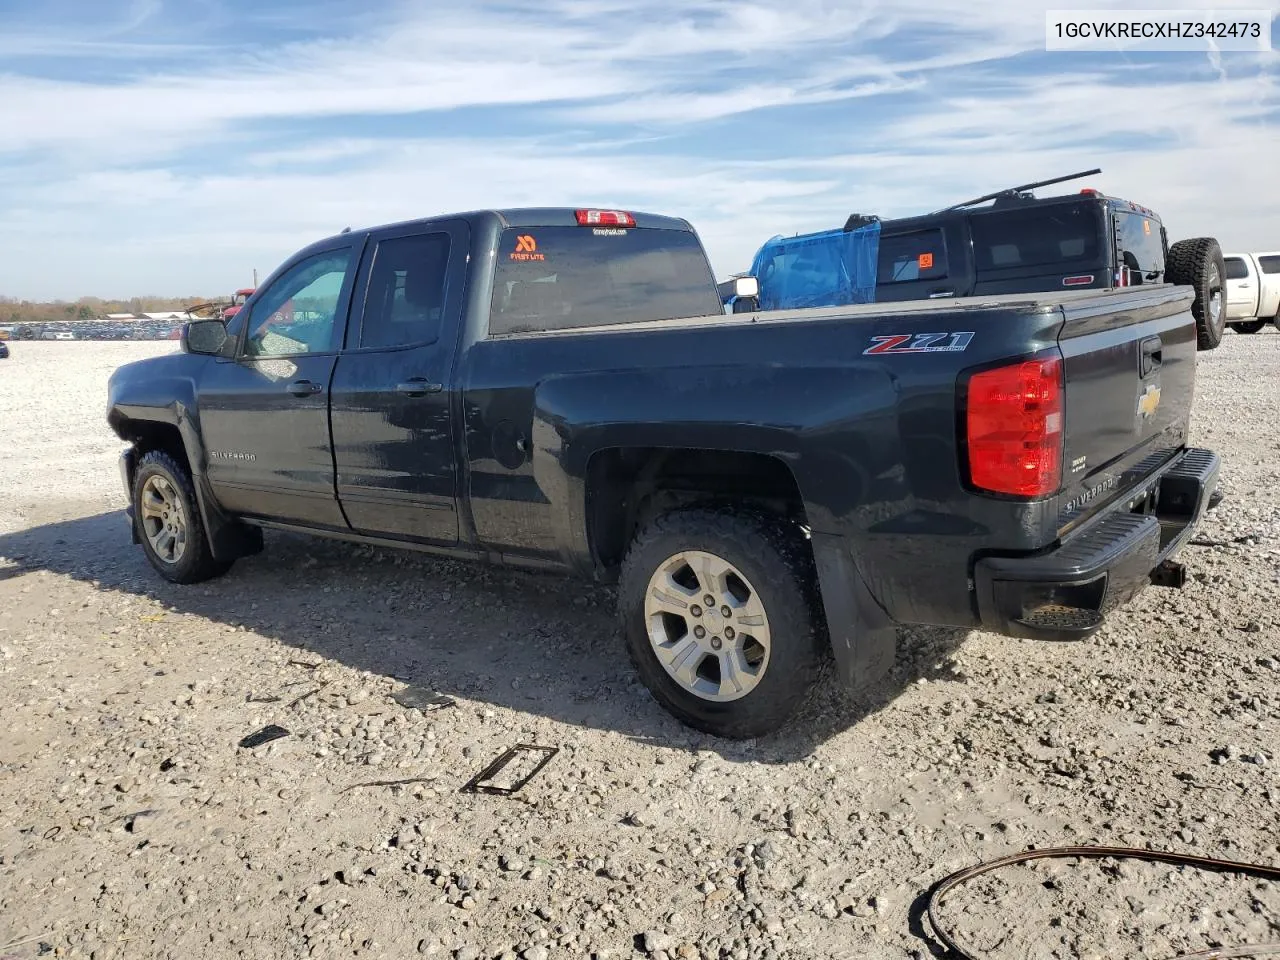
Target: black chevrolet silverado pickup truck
561,389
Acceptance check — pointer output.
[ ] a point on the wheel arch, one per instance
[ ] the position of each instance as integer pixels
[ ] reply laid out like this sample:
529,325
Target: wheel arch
175,434
626,486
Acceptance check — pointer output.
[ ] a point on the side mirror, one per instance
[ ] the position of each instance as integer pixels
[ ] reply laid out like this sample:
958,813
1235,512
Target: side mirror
745,288
204,336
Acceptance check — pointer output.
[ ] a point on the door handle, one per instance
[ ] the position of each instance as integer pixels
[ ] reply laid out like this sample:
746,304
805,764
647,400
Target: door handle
303,388
418,387
941,293
1152,355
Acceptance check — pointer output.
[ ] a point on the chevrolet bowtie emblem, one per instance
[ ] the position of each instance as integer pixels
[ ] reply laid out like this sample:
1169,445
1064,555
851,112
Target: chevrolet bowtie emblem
1148,401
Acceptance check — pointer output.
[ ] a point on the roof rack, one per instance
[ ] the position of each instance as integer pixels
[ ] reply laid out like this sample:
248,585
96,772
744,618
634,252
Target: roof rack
1016,192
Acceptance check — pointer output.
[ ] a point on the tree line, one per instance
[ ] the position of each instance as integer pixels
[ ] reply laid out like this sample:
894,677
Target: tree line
14,311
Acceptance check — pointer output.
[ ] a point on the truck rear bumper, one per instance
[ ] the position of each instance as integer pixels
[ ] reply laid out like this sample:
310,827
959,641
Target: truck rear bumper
1063,594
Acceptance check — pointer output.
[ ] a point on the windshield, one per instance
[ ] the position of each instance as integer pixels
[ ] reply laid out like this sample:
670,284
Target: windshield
557,278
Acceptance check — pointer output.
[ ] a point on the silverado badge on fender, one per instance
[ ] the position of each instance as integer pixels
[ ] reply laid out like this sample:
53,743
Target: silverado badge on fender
1148,401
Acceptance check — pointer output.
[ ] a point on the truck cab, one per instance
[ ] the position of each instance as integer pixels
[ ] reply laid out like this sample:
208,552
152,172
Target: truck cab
1253,291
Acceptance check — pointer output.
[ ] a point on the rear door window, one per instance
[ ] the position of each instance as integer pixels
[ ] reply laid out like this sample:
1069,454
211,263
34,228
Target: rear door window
1141,248
405,301
1269,264
904,257
1237,269
558,278
1057,238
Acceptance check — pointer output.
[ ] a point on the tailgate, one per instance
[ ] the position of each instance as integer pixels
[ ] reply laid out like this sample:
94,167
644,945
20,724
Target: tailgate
1129,372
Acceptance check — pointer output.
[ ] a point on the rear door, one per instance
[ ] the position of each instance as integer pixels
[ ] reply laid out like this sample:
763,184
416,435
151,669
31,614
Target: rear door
1269,285
1129,373
1242,288
391,401
922,264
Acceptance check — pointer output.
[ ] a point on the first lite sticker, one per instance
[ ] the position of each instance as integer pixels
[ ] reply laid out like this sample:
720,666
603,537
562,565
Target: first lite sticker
527,249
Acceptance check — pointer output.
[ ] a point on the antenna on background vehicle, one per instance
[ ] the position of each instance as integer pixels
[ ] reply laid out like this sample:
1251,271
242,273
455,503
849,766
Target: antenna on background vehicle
1014,191
255,277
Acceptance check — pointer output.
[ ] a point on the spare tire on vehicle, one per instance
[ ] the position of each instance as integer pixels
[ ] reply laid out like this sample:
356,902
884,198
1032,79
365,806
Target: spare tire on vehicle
1198,263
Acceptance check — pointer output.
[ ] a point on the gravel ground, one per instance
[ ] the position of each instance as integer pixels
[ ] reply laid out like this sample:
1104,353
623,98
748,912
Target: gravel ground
132,825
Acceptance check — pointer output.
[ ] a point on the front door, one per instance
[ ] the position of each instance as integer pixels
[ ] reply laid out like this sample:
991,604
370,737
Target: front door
391,399
264,416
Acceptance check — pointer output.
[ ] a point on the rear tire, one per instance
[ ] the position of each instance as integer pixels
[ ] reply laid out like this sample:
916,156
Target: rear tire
1198,263
749,672
166,517
1247,326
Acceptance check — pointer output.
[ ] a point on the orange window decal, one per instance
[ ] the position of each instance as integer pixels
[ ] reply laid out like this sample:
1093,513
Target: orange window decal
527,249
925,260
1146,227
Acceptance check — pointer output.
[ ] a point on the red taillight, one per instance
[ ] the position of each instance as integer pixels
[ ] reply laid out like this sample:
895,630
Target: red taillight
1090,192
605,218
1014,428
1080,281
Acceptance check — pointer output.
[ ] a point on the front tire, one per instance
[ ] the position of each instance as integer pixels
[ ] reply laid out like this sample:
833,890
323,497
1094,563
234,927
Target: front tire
1198,263
739,666
1247,326
166,517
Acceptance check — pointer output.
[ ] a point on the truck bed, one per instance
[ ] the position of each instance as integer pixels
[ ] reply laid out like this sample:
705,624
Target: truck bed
1023,302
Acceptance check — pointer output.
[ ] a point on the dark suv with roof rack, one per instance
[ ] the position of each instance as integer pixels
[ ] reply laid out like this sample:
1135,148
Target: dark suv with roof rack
1013,242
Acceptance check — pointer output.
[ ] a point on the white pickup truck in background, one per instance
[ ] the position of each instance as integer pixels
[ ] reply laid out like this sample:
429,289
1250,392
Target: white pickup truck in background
1253,291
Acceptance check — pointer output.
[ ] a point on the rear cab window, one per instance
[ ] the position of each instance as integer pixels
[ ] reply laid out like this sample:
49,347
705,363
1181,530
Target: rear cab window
1062,238
1237,269
560,278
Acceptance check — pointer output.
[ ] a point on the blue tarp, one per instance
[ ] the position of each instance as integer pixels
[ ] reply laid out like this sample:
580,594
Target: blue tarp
828,269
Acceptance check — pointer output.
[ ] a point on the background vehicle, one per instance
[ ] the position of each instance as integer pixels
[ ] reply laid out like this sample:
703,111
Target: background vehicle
1003,242
4,350
561,390
237,302
1253,291
223,310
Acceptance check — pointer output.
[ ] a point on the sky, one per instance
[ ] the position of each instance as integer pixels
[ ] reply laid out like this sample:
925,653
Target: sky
172,147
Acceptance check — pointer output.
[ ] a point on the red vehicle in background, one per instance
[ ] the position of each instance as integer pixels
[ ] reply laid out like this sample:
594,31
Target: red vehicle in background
237,301
220,310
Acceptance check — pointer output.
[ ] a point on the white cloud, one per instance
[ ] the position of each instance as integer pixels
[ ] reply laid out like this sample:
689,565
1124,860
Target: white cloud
680,62
182,178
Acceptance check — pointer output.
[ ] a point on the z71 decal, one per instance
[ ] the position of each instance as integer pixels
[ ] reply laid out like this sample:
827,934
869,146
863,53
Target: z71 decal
920,343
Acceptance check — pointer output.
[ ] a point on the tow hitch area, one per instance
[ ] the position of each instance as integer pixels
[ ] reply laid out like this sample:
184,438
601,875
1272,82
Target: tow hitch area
1170,573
